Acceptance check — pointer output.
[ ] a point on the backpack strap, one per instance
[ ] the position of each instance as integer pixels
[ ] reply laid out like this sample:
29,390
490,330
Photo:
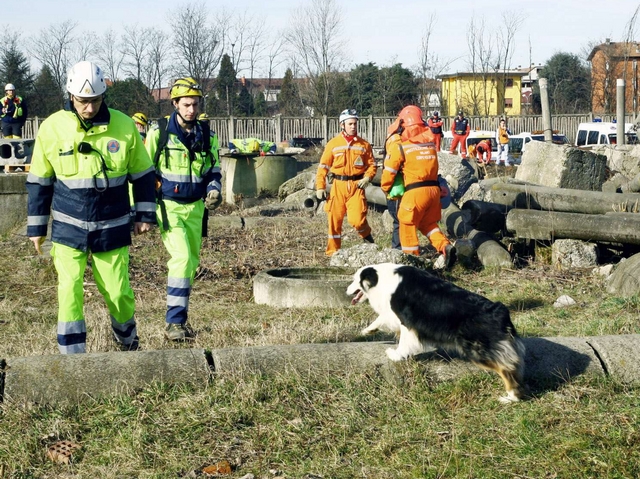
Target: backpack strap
162,140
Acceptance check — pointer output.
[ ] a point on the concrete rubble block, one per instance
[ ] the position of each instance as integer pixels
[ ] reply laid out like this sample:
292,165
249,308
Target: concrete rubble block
568,253
460,174
366,253
13,201
16,151
619,355
562,166
623,159
59,379
625,279
297,183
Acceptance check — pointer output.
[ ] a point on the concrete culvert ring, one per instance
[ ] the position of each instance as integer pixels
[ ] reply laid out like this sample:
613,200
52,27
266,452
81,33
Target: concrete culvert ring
303,287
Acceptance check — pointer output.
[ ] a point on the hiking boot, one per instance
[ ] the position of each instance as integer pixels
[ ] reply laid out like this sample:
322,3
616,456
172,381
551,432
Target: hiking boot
176,332
368,239
450,256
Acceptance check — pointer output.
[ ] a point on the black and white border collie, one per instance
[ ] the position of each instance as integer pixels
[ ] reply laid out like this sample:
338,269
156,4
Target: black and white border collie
428,311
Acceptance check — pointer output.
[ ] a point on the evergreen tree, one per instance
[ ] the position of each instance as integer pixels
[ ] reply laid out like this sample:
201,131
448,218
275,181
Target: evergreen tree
362,83
289,99
46,98
226,84
396,88
339,98
569,84
259,105
14,68
130,96
244,105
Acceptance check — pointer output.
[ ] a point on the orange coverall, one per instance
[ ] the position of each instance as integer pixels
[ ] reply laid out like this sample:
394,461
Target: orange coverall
484,148
349,162
420,207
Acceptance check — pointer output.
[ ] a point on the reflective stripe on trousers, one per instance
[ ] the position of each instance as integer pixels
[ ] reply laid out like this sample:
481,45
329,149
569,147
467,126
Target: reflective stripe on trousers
183,241
111,273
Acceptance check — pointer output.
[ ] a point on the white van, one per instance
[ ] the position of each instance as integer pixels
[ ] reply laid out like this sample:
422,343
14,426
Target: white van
603,133
475,136
518,143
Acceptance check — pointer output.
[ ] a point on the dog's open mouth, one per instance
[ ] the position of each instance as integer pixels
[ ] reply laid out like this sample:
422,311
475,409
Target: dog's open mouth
357,296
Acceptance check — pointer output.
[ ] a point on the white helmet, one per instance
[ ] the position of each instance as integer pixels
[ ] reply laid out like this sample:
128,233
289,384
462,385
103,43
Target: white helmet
85,80
9,86
347,114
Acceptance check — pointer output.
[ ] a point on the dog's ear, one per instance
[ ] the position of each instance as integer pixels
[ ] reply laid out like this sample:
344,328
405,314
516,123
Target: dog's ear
368,278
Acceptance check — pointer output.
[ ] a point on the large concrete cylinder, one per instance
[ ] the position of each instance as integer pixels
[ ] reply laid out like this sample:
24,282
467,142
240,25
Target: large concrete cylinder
272,171
249,176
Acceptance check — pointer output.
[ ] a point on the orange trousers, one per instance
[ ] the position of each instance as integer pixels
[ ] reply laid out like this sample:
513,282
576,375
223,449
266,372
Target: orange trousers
420,210
345,198
462,140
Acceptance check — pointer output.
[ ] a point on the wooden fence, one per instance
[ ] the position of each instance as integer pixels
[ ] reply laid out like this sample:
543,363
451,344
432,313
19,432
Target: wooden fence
374,129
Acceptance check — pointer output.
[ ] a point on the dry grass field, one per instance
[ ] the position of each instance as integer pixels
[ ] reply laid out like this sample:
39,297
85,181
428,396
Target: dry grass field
313,425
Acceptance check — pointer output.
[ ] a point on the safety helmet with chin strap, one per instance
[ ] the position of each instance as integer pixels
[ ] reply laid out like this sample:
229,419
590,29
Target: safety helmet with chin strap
347,115
185,87
86,80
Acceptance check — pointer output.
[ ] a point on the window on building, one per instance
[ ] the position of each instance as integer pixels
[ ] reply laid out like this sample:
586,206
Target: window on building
508,102
508,83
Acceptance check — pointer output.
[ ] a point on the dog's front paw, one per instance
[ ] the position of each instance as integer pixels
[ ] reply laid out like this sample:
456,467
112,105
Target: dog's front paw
368,331
394,355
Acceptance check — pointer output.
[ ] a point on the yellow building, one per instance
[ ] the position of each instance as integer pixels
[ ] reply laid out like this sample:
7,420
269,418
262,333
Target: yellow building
483,94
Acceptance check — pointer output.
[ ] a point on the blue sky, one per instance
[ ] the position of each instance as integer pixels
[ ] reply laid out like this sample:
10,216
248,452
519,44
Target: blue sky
379,31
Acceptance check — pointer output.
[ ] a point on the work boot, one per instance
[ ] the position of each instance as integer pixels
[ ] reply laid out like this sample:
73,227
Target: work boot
450,256
176,332
134,345
368,238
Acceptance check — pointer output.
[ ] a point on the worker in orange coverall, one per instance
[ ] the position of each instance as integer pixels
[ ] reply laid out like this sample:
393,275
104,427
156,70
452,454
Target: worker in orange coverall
483,151
435,123
348,160
416,157
460,128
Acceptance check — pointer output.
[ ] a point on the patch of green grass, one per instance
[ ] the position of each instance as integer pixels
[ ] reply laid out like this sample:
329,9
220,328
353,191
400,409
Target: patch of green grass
348,424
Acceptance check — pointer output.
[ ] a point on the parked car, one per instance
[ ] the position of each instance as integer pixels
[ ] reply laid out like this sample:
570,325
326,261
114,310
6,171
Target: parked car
603,133
518,143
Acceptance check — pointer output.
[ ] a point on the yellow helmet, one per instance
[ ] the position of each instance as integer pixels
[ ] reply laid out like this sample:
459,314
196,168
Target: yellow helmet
203,117
185,87
140,118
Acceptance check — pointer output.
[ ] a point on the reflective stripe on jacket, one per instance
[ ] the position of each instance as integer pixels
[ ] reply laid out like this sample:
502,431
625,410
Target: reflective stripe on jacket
87,197
345,159
187,176
417,161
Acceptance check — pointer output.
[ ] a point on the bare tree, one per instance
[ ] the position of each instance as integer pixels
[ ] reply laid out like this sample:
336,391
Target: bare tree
110,54
482,63
256,47
505,40
315,39
135,45
199,45
275,57
156,67
430,65
86,47
53,47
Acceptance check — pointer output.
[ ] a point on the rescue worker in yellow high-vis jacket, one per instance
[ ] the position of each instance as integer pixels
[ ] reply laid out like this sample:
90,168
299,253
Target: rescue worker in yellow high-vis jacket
348,159
82,162
188,168
413,153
